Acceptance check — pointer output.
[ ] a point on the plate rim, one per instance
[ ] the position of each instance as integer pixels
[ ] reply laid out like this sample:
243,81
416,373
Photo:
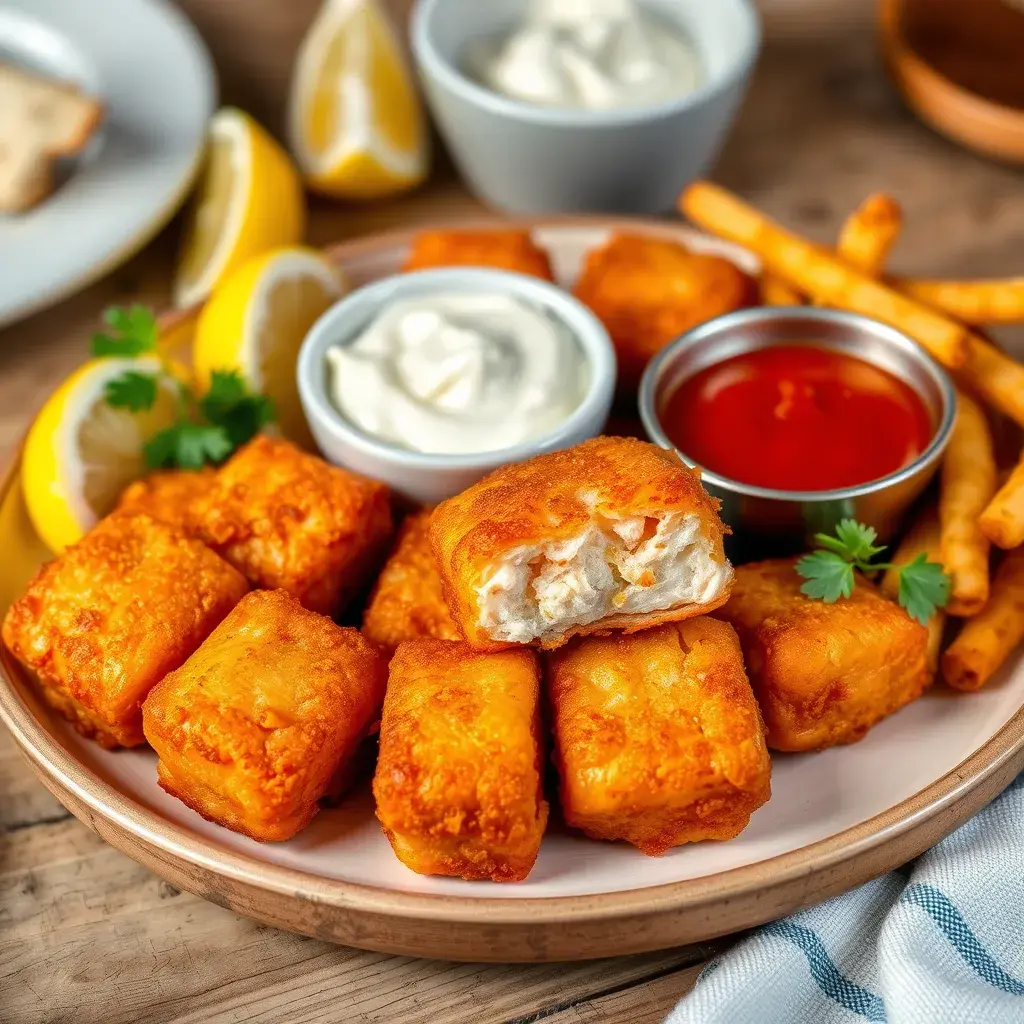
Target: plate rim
587,925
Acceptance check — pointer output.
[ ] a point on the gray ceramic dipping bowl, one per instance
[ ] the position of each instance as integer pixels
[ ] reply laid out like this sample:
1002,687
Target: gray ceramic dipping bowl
765,520
423,477
534,159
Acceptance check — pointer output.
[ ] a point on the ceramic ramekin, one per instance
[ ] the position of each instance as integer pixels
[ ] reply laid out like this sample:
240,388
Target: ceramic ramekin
428,478
527,158
765,519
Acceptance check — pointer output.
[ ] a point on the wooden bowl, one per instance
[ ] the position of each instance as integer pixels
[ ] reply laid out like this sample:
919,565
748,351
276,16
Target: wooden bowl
965,117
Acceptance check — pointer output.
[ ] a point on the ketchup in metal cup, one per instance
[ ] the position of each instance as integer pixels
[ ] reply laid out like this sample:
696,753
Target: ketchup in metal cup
797,418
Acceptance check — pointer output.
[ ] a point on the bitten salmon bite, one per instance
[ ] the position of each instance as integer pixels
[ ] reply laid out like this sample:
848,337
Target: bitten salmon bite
614,533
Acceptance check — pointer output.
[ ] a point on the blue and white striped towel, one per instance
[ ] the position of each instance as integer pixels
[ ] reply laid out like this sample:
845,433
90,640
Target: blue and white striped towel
940,941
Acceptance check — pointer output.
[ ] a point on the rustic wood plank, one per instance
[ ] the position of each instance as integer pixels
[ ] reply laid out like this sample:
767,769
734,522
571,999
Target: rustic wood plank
87,934
646,1003
24,800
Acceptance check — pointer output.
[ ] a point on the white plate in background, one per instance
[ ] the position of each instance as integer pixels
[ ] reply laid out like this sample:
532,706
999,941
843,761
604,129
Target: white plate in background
147,64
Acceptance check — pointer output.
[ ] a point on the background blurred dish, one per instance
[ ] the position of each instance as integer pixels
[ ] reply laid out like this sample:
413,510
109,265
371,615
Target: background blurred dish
865,809
980,122
158,94
526,158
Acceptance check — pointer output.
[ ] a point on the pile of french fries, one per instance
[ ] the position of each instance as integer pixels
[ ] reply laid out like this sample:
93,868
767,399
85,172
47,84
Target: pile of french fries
973,512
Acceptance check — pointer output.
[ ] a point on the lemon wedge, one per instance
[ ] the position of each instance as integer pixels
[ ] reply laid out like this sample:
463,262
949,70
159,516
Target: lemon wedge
81,453
355,121
256,321
249,200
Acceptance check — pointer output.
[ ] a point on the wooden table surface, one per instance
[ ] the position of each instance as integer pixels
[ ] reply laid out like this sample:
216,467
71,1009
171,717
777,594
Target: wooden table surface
86,935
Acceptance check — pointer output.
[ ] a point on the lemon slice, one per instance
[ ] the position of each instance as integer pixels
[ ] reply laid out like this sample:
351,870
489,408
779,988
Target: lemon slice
81,453
256,321
249,200
355,121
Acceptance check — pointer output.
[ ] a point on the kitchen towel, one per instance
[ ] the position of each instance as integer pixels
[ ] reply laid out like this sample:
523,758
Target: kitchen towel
940,941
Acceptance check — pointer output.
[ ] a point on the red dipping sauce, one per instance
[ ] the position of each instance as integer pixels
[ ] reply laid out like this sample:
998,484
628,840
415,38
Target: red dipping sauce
797,418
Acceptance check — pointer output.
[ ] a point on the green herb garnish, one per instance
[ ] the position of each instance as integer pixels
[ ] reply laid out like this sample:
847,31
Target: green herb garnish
209,427
924,586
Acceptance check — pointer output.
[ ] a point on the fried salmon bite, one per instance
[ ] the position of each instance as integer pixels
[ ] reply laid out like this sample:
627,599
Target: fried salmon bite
251,730
289,520
648,291
506,249
101,625
407,602
824,674
614,533
168,495
658,739
458,781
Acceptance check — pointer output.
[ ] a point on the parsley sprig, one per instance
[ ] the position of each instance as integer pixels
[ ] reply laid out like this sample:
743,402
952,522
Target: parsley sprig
924,586
209,427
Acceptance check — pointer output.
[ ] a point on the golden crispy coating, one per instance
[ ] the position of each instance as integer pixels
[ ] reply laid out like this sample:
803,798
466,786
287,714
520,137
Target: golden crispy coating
458,781
289,520
407,602
529,543
105,622
252,729
167,495
823,673
505,249
648,291
658,738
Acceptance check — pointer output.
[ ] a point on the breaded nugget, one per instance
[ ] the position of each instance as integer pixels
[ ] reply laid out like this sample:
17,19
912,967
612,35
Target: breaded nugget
407,602
648,291
105,622
502,248
823,673
658,738
168,495
458,781
252,729
614,533
289,520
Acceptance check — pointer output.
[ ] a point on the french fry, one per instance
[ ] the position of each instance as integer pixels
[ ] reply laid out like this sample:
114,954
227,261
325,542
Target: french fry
776,292
1003,519
923,538
995,377
967,483
977,302
823,276
870,232
986,641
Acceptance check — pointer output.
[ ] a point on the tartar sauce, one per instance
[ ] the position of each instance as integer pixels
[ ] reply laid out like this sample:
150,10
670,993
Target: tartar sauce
589,55
459,373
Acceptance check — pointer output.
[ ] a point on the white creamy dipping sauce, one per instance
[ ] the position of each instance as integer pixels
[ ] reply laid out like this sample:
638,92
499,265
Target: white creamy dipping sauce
589,55
459,373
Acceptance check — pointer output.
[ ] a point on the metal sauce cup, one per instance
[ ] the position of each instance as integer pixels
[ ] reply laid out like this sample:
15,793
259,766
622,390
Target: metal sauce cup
765,520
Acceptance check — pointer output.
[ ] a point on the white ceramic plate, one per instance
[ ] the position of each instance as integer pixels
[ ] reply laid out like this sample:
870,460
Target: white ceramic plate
147,64
834,818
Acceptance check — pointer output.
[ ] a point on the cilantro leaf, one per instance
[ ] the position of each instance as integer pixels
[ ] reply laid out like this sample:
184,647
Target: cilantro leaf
229,404
132,332
187,446
132,390
924,586
853,541
829,576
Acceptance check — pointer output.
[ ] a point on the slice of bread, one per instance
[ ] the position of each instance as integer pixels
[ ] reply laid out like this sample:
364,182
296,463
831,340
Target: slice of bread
41,119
